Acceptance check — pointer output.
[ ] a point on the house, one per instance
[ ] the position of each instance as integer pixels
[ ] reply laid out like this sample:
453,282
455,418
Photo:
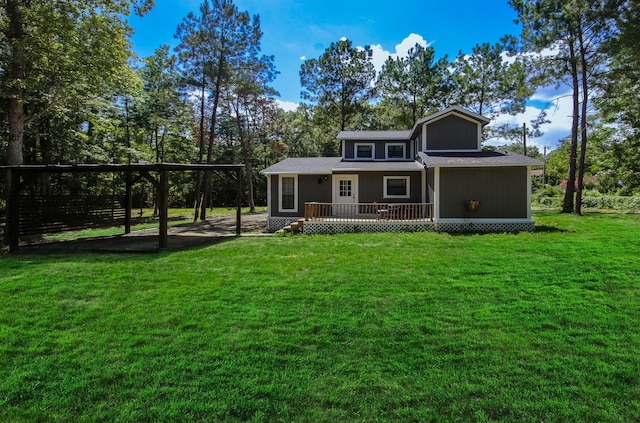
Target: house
433,177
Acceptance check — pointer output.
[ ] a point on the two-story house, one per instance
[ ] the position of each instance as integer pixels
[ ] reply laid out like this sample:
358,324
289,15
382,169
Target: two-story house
433,177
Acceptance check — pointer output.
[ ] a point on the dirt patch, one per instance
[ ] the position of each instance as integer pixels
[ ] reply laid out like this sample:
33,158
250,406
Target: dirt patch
214,230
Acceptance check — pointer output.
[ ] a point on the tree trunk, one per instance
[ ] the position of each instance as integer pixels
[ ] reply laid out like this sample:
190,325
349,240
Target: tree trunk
567,205
200,176
17,69
206,188
583,122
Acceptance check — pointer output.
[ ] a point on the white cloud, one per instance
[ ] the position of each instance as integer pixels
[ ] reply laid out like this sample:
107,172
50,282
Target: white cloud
303,57
380,55
559,114
287,106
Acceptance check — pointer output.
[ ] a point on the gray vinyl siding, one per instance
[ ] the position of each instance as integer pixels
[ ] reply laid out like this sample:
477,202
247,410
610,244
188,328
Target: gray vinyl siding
452,133
502,192
430,182
309,189
371,188
380,149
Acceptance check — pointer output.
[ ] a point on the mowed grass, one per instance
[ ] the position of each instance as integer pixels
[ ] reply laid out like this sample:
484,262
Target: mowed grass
358,328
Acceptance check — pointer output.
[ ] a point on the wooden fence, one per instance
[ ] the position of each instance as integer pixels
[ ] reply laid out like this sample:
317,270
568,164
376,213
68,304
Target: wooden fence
56,213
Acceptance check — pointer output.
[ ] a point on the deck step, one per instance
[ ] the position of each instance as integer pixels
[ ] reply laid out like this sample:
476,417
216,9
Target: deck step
293,227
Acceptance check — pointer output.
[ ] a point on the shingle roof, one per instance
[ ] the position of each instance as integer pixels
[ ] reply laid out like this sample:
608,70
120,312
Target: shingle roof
481,158
374,135
400,166
303,165
322,165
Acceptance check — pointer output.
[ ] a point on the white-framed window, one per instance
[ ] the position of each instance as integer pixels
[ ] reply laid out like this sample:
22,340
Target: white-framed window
397,186
288,189
366,151
395,151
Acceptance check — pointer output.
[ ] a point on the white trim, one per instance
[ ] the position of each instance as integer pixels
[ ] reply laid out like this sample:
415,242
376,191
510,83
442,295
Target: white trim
295,194
335,188
484,220
417,168
355,150
424,138
384,186
343,145
268,195
436,193
457,110
395,144
298,172
529,192
480,164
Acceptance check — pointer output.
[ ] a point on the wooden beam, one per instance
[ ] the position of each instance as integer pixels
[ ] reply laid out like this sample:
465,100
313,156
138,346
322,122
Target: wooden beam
163,209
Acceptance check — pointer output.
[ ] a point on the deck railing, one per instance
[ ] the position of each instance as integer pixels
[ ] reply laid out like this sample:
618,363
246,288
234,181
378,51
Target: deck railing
369,211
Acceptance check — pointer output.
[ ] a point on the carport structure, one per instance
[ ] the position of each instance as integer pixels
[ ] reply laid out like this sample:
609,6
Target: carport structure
104,209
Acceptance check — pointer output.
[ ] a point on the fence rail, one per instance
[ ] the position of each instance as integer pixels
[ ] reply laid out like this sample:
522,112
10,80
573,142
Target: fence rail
369,211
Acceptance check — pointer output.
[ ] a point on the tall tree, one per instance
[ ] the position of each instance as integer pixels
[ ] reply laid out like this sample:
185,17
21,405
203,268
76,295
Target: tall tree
620,99
571,34
339,82
55,51
487,83
413,86
213,46
249,103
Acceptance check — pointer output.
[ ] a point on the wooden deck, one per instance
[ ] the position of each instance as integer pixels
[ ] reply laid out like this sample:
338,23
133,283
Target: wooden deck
366,212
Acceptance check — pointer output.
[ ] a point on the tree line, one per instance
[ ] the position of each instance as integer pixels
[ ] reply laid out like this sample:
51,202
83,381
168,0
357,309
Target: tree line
72,91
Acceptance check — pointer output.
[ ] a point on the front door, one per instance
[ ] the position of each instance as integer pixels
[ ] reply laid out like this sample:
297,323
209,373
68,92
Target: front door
345,194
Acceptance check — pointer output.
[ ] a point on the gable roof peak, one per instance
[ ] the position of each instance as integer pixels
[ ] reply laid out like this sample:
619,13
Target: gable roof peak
483,120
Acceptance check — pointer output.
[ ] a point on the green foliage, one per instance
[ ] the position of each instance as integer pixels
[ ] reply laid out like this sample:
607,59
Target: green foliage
338,82
412,86
496,327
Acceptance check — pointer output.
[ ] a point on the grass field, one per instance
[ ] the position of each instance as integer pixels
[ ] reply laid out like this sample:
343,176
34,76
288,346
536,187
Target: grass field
357,328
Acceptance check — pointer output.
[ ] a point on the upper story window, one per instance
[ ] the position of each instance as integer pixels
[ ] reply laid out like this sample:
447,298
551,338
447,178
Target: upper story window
395,151
365,151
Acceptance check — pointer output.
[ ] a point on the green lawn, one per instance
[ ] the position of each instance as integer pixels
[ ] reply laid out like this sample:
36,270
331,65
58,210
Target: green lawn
357,328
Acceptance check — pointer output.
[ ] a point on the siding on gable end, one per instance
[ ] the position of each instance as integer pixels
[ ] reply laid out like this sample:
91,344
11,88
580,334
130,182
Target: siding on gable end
452,133
502,192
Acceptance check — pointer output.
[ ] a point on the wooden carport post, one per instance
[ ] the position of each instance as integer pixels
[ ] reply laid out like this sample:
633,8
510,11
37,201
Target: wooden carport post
128,202
163,209
239,202
13,210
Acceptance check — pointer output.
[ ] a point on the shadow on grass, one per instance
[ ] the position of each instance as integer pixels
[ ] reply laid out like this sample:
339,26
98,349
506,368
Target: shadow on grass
120,244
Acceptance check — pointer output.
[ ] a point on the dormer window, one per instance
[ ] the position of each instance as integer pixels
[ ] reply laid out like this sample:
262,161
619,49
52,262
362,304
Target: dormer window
364,151
395,151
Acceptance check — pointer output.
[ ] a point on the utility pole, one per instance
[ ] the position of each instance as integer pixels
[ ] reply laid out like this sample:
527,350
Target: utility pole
544,167
524,139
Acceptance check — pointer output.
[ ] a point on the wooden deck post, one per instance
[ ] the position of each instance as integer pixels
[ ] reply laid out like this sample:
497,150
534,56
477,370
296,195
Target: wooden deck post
239,202
163,209
12,235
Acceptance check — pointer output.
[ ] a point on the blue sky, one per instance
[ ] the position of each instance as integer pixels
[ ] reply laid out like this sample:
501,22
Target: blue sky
298,29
